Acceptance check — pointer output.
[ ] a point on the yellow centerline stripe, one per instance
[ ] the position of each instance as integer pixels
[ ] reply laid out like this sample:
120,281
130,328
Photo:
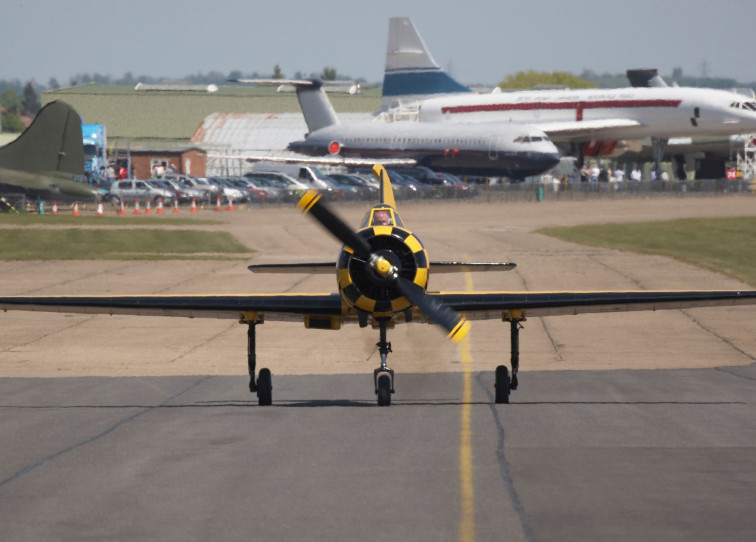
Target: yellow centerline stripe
466,484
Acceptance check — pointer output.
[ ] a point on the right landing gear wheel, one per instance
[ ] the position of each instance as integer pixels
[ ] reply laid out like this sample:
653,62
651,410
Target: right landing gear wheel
502,385
264,388
384,390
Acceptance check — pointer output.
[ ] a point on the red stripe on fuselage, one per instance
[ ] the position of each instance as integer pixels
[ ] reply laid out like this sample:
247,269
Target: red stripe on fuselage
545,106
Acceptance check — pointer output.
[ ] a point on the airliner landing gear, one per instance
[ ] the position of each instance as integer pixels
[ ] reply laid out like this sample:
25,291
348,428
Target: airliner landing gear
658,146
383,376
263,386
505,383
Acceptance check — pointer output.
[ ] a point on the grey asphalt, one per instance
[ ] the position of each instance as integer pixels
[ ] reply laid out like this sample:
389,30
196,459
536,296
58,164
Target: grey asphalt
578,455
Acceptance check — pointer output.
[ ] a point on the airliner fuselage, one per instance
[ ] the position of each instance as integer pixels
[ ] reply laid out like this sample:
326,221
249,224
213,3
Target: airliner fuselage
627,113
496,149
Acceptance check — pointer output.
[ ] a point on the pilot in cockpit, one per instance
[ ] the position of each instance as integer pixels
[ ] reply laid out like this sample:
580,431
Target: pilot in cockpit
381,217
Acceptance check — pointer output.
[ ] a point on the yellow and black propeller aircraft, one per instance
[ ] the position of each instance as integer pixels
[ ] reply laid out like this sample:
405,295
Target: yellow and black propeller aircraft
382,273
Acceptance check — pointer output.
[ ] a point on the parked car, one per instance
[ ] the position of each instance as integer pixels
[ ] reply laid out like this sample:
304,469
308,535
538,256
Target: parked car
298,188
184,194
275,192
461,189
209,191
253,192
434,187
131,190
310,176
227,190
357,185
411,187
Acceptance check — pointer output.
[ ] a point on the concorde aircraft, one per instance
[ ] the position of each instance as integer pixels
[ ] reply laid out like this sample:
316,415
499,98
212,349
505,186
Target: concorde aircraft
581,122
47,159
382,274
489,149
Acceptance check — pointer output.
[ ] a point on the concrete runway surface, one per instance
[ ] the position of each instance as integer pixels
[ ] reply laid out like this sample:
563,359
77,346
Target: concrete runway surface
630,426
582,455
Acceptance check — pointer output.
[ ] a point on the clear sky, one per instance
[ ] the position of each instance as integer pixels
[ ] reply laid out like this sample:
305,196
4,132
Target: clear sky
480,41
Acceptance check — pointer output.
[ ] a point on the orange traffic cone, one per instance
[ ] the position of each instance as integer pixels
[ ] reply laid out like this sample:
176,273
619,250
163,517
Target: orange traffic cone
160,209
122,210
175,206
100,210
148,208
76,209
230,204
55,208
137,210
217,204
194,206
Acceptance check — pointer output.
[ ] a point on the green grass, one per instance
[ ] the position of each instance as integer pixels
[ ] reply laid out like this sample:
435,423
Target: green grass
726,245
118,244
34,219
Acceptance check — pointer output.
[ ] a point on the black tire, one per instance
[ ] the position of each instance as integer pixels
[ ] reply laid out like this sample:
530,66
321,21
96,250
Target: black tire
384,390
115,200
264,388
502,385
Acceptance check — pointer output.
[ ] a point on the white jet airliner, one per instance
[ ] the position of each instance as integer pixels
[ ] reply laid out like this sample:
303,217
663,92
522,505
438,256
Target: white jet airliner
581,122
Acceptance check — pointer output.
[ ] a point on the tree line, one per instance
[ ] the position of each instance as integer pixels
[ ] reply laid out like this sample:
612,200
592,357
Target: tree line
22,99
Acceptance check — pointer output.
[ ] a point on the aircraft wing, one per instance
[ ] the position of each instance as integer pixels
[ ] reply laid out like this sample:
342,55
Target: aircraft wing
495,305
333,160
294,307
590,129
281,307
329,267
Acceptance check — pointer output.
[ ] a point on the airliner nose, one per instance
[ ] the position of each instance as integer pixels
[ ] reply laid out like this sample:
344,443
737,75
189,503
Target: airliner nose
543,160
552,158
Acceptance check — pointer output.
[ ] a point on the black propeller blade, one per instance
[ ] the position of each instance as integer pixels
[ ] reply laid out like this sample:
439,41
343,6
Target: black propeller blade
311,203
454,323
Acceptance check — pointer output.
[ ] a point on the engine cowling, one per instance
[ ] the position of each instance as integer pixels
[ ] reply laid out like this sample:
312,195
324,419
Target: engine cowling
364,289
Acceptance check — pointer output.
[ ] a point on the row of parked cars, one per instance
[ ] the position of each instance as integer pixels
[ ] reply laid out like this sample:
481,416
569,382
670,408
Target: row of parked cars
281,183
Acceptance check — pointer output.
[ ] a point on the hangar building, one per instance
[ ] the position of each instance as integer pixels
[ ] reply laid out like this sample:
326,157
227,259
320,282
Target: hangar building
154,123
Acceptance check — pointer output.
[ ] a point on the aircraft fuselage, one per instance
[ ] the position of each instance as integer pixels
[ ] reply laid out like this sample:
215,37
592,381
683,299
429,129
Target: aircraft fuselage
659,112
475,149
50,184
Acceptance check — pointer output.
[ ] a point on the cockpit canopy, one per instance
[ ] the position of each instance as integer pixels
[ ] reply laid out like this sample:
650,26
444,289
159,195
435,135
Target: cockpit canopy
531,138
750,106
382,215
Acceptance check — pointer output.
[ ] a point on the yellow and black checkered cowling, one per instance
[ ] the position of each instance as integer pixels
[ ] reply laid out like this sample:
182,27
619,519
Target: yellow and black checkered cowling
360,286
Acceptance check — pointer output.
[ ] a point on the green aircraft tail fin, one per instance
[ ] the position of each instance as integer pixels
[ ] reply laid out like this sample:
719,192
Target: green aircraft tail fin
53,142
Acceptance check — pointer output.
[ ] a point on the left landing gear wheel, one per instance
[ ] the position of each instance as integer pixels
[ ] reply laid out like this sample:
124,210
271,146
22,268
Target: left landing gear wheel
264,388
262,385
502,385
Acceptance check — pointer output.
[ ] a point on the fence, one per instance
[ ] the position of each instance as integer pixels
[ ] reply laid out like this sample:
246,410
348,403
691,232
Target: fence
555,191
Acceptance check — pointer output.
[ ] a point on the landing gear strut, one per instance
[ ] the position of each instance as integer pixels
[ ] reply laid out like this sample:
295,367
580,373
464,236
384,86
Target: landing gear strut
383,376
505,384
263,385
